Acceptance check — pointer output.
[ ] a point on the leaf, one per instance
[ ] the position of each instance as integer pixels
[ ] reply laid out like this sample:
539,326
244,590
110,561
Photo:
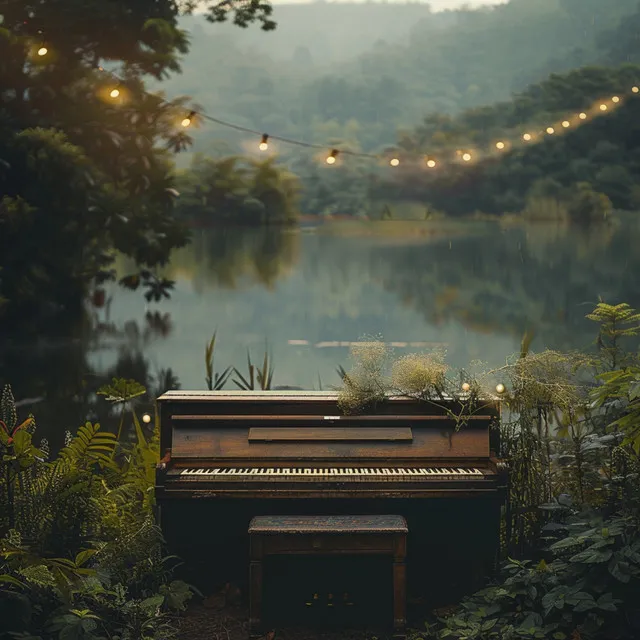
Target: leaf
606,602
121,390
7,579
566,543
592,556
83,556
620,570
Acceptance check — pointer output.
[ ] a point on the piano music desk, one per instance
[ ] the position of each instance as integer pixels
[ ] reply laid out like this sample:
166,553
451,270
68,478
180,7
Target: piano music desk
328,535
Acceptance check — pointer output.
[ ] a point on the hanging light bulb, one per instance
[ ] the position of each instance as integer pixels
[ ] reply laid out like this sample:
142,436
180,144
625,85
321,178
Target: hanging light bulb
635,89
264,145
526,137
394,162
550,130
615,99
114,93
566,124
431,164
500,145
583,116
466,386
331,158
187,121
146,418
42,51
603,107
466,157
500,388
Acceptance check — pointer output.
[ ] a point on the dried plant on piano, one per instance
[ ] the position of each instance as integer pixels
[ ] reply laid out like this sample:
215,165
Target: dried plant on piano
366,384
375,375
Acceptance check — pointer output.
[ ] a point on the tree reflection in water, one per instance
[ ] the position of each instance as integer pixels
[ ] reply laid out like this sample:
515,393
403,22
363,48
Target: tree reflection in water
471,287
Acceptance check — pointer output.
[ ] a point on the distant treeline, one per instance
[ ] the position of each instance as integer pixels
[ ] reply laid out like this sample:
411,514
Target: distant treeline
348,86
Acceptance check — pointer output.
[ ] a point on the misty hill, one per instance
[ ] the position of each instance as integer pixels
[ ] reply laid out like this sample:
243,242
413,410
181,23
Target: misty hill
331,33
284,82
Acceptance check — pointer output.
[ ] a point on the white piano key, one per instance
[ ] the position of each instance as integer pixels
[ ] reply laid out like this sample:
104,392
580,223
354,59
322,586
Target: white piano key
449,473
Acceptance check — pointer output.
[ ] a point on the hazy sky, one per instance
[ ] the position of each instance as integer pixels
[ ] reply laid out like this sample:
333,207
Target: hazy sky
435,4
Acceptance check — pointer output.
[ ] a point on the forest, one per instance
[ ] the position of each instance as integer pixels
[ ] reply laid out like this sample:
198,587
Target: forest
470,77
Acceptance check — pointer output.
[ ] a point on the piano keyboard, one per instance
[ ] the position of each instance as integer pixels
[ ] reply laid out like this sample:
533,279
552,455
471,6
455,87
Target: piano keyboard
334,473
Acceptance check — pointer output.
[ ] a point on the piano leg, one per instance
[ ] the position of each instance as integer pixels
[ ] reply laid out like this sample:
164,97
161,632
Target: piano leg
399,587
255,588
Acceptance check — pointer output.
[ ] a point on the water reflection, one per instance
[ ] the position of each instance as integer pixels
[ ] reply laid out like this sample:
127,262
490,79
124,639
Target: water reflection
306,294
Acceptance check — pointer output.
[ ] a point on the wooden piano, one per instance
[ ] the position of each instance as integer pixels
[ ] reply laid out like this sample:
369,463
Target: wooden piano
230,456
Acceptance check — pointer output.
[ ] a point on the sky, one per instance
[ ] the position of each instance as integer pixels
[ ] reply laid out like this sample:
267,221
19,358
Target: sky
437,5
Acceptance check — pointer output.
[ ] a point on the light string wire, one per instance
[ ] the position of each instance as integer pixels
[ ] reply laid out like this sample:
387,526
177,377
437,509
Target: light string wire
599,108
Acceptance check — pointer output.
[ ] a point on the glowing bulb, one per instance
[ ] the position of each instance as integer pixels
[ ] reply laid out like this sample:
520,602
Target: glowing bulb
431,164
264,145
615,99
466,157
394,162
527,137
566,124
551,131
583,116
146,418
114,93
42,51
603,107
500,388
331,158
186,122
500,145
636,89
466,386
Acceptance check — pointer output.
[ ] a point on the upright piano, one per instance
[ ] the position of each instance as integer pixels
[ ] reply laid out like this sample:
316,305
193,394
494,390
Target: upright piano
229,456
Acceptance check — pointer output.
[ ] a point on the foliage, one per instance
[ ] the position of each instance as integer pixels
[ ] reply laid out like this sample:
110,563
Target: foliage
82,173
587,589
257,378
80,555
235,191
582,174
614,321
214,380
424,376
574,498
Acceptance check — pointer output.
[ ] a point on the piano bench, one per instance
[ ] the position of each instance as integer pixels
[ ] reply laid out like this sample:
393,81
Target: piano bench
328,535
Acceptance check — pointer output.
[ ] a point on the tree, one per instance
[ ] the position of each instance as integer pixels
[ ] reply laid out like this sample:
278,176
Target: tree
85,152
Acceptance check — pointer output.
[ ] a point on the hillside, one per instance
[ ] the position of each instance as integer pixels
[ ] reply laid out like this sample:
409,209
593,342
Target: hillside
598,155
325,78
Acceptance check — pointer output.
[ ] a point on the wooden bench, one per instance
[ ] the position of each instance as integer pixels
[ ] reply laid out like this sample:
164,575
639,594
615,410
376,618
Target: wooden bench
327,535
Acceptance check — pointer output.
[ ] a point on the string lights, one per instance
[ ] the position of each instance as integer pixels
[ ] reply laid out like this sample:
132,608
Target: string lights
331,158
389,156
186,122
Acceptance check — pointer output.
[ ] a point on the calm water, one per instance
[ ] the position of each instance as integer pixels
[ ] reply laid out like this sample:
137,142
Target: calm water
472,287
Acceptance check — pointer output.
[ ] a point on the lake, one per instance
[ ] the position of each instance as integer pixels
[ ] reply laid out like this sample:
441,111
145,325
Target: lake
472,287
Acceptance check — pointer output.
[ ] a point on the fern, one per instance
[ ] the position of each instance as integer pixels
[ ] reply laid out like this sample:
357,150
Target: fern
8,413
90,446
